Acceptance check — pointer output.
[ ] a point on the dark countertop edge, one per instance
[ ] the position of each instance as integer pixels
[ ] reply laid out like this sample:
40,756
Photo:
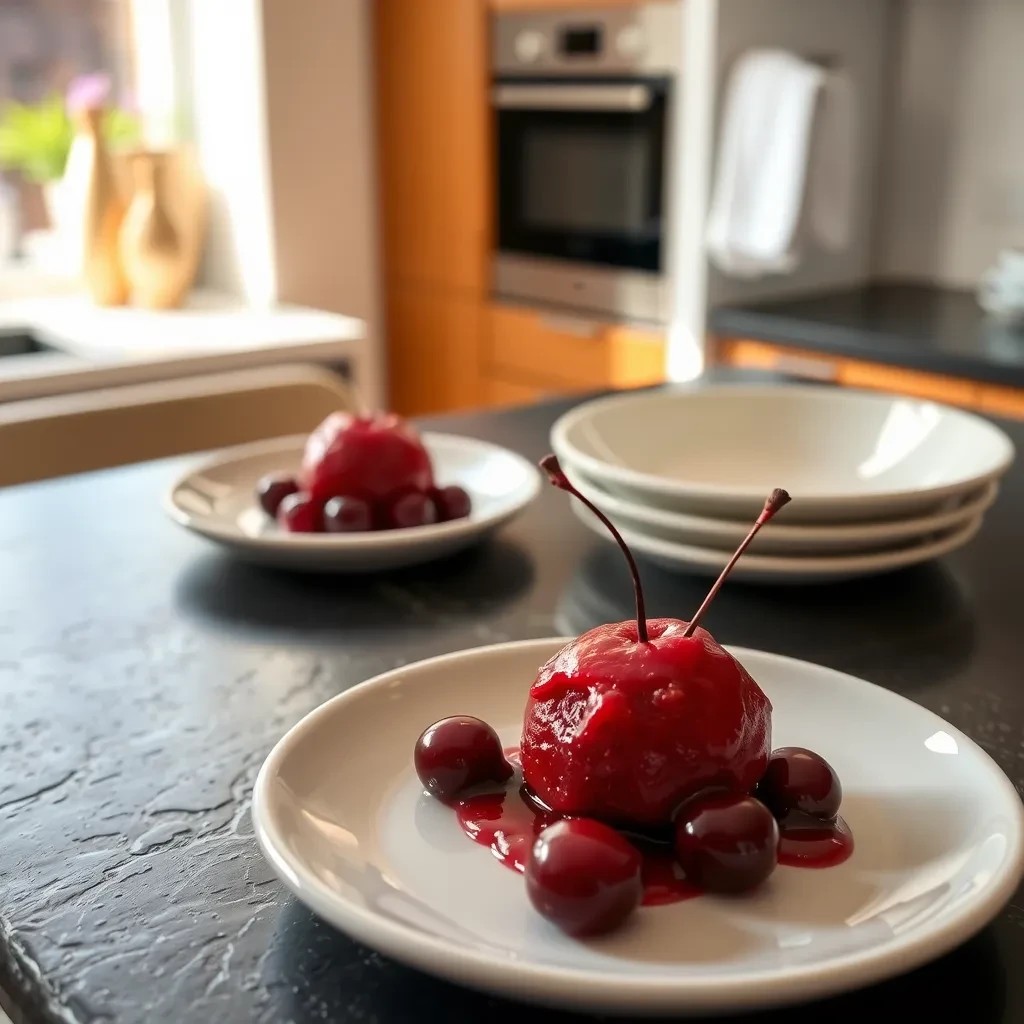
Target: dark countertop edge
829,339
21,982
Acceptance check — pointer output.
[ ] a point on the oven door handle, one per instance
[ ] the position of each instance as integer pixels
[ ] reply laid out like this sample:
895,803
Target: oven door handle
572,97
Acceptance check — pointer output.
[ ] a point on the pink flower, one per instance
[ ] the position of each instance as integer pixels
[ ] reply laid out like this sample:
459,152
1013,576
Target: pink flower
87,92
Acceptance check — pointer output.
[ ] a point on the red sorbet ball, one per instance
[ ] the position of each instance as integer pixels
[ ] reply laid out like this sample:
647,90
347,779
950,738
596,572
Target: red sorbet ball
373,458
624,732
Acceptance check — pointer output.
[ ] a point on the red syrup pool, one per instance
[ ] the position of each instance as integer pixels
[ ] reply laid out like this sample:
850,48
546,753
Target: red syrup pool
507,821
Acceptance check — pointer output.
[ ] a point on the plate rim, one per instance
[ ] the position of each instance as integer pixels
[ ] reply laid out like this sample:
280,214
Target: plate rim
653,484
378,540
777,565
614,504
548,983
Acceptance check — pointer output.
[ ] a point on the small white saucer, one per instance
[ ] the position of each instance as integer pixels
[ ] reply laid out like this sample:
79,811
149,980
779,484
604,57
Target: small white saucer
217,499
938,829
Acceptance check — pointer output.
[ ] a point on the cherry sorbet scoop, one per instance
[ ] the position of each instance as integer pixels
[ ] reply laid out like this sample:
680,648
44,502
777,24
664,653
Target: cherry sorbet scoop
632,718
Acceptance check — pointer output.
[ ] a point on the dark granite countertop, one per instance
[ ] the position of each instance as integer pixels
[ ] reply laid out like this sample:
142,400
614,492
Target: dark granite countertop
936,330
144,676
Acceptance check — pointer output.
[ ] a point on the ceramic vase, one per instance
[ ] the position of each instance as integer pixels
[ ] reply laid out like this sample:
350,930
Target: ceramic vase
154,252
92,167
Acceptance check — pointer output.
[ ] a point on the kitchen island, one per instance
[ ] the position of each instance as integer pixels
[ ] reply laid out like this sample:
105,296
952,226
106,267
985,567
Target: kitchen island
144,676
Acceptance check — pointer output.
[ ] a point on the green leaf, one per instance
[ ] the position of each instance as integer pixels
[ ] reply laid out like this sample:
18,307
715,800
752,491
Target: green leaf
35,139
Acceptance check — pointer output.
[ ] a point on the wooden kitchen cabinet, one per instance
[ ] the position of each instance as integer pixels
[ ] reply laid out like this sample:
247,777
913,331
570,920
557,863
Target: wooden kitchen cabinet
760,355
555,5
438,338
990,398
501,390
433,150
449,345
433,138
936,387
575,352
999,401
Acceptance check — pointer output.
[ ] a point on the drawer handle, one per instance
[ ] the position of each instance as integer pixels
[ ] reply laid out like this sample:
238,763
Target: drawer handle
575,325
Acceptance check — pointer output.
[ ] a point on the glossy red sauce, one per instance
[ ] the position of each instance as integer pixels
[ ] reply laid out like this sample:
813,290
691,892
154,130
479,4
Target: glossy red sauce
508,820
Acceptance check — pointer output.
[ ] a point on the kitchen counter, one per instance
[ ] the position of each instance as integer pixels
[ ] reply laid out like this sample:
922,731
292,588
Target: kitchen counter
95,347
144,676
919,327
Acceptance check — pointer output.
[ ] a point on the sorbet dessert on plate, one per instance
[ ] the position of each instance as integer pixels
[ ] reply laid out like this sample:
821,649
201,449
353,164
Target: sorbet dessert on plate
644,774
361,473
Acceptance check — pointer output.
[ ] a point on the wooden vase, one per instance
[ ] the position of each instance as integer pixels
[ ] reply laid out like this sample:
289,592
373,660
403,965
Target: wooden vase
154,252
103,208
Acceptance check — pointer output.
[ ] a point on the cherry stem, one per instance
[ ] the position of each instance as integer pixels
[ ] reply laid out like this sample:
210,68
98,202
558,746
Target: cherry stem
774,502
556,475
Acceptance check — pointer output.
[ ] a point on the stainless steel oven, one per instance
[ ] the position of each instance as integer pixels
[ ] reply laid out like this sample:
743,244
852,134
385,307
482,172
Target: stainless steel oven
583,112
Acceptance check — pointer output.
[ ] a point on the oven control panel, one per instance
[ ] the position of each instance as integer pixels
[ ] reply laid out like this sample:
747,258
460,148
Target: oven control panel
646,39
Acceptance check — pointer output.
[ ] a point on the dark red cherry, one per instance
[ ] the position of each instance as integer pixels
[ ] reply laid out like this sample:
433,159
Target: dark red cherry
299,513
798,779
451,503
347,515
584,876
458,753
273,489
726,842
412,509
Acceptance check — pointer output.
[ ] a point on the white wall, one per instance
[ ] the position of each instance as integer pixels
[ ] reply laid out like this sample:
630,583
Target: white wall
322,154
953,174
282,112
229,124
323,168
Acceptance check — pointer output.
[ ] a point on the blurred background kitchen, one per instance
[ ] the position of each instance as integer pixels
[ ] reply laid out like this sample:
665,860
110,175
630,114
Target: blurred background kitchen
478,203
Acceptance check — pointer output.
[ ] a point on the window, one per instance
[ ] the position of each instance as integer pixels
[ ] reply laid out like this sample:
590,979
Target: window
44,46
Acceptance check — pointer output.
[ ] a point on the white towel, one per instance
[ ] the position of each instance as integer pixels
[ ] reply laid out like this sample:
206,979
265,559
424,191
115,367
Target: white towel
766,158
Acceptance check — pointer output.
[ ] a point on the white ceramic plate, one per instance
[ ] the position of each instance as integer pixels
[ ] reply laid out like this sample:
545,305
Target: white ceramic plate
754,568
217,500
777,538
938,831
844,455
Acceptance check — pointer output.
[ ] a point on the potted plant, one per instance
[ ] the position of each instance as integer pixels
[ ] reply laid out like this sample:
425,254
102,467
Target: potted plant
35,138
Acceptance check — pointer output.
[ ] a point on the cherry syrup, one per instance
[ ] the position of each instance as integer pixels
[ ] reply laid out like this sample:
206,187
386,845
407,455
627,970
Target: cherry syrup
508,820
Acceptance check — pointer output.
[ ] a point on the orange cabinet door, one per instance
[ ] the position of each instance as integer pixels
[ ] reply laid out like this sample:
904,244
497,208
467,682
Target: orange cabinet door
1000,401
433,351
502,391
576,352
433,132
950,390
555,5
762,355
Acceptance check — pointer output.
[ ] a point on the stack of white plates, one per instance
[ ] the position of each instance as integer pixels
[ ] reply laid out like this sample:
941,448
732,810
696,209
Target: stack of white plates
878,482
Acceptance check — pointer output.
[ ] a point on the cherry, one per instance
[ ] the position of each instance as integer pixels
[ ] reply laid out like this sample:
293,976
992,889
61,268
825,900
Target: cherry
584,876
273,489
412,509
458,753
451,503
726,842
347,515
632,718
299,513
375,458
797,779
